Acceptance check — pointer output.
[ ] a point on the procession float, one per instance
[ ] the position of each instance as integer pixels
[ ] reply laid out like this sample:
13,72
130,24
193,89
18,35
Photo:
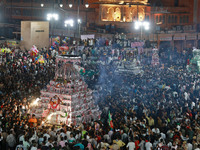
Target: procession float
66,99
194,64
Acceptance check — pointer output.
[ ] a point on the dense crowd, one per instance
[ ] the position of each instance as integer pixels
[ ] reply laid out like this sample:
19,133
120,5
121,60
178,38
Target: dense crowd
159,109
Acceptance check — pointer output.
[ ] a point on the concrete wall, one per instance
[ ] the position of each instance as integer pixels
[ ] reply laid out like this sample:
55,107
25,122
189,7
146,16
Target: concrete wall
34,33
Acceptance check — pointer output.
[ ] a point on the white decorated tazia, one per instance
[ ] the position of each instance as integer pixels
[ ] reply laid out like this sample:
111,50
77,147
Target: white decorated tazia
155,57
67,98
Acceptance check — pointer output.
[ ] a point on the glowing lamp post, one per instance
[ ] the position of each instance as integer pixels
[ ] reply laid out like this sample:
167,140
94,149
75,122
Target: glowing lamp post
69,23
79,26
70,5
86,5
141,25
53,17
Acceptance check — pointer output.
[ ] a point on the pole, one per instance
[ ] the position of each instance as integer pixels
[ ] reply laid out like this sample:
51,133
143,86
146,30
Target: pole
86,19
52,24
78,17
137,11
79,29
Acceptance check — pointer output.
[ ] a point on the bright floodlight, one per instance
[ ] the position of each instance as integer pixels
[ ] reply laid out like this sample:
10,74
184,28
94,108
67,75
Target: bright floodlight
61,5
52,16
42,5
70,5
69,22
139,24
79,21
86,5
146,27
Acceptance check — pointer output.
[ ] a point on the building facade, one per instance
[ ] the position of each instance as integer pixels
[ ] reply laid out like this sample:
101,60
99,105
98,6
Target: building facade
171,21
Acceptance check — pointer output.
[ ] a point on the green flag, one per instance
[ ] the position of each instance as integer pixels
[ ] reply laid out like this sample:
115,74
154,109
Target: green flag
110,120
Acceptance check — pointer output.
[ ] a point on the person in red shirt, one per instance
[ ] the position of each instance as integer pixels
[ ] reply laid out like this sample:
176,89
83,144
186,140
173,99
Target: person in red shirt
137,142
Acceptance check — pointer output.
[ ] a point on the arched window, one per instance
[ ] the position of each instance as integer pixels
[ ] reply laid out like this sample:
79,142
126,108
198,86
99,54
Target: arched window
163,20
160,18
181,19
173,19
147,17
187,19
156,19
184,19
169,19
176,19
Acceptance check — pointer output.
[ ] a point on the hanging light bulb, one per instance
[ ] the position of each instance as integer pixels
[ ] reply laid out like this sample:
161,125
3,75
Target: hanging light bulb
42,5
86,5
61,5
70,5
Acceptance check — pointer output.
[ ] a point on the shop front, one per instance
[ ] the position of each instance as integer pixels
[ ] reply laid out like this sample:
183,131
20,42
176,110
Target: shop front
191,40
179,42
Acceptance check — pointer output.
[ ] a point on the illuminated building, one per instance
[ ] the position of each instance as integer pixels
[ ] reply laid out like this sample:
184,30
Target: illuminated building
174,22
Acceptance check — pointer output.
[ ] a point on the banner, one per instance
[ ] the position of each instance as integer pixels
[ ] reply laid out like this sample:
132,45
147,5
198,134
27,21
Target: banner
165,38
85,37
63,48
137,44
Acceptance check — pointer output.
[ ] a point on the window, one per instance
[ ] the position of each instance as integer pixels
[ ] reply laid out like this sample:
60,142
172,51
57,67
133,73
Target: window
27,12
176,18
156,19
16,12
160,18
169,19
147,17
176,3
173,19
181,19
163,19
187,19
184,19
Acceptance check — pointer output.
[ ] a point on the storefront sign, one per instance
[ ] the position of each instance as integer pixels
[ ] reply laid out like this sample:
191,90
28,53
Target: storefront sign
137,44
153,37
191,37
179,38
165,38
85,37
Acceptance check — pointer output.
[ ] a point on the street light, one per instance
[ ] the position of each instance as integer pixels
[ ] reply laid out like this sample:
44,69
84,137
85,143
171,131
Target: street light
79,21
42,5
52,16
141,25
86,5
79,26
69,22
70,5
61,5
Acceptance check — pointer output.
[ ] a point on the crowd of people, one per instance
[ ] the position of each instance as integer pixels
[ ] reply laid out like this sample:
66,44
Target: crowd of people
156,110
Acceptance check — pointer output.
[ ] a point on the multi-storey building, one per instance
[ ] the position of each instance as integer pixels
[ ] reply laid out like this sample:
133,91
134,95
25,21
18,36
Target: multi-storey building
172,22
